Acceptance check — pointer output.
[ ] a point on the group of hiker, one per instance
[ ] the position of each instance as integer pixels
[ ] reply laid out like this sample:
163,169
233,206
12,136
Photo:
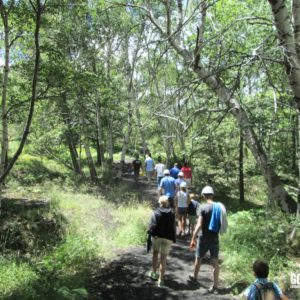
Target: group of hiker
175,201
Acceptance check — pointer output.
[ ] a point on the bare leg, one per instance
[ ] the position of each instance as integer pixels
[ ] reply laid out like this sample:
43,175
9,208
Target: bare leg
154,261
216,270
197,267
179,224
183,224
162,269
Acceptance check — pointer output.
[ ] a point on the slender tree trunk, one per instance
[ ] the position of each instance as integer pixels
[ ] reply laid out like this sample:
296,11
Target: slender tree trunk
241,168
38,10
100,142
294,125
69,135
110,139
85,141
4,143
90,160
140,126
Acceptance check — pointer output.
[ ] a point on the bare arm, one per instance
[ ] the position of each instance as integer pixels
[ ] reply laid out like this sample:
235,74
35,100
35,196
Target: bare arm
197,229
283,297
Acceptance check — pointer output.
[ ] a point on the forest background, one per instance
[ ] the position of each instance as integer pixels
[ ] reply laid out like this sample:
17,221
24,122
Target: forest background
89,83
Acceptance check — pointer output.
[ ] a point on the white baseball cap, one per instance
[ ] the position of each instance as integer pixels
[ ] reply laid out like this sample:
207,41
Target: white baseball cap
166,172
207,190
180,174
183,184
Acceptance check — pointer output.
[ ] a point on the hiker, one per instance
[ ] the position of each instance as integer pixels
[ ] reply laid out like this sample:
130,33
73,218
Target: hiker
136,164
261,288
187,171
174,171
192,213
167,187
149,167
162,230
211,221
159,171
182,203
179,181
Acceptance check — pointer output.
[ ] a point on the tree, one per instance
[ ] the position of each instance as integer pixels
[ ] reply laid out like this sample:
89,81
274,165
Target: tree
38,9
172,33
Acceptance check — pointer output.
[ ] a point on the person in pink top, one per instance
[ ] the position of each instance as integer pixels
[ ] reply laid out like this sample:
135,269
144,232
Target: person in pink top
187,174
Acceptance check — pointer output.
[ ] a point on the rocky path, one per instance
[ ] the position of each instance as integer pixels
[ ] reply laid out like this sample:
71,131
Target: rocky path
126,276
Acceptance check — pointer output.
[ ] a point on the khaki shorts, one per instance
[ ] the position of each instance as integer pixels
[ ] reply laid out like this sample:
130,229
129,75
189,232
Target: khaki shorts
161,245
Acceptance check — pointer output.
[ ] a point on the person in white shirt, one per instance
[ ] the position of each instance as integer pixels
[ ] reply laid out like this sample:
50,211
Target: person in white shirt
159,171
182,203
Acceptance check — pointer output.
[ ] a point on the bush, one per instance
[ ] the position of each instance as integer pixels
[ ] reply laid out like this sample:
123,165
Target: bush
259,234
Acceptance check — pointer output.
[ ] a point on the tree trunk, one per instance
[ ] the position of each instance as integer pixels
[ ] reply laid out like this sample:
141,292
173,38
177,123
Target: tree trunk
38,10
294,125
289,42
4,143
85,142
90,160
110,140
100,142
241,168
69,135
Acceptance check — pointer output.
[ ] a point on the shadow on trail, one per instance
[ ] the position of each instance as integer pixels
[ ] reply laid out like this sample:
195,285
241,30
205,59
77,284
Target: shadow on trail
126,277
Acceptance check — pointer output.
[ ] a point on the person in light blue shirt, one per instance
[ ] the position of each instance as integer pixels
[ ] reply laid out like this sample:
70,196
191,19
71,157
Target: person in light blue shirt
149,167
179,181
168,187
261,272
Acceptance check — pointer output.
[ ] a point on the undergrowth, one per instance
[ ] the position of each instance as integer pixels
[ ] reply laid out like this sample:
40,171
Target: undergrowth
94,229
260,234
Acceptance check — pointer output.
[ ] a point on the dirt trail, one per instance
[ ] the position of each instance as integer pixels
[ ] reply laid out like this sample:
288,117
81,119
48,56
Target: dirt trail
126,276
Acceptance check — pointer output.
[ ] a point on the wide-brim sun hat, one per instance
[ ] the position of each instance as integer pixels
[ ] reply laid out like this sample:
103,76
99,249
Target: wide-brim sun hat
207,190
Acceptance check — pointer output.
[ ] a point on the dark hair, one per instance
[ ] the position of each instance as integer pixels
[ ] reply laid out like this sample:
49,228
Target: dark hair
159,159
261,269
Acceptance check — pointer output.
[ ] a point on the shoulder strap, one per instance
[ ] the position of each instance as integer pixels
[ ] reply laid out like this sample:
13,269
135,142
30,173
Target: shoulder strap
269,285
258,288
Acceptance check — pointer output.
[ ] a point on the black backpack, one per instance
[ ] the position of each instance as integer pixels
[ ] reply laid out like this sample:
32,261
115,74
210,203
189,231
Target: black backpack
265,291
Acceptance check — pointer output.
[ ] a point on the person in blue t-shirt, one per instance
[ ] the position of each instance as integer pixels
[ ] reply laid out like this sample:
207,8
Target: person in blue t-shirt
168,187
174,171
261,272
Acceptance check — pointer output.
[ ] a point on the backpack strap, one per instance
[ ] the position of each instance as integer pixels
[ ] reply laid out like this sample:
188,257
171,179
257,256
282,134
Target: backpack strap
258,288
268,285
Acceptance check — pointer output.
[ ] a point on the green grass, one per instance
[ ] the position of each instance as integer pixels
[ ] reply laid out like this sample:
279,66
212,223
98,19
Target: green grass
259,234
96,228
15,275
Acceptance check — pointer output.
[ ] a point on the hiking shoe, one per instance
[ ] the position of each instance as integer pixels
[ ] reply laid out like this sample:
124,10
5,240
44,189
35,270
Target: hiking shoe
153,275
160,283
213,290
192,279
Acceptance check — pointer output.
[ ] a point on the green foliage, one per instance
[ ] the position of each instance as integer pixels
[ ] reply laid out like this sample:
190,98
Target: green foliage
30,170
16,275
132,224
94,228
256,234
